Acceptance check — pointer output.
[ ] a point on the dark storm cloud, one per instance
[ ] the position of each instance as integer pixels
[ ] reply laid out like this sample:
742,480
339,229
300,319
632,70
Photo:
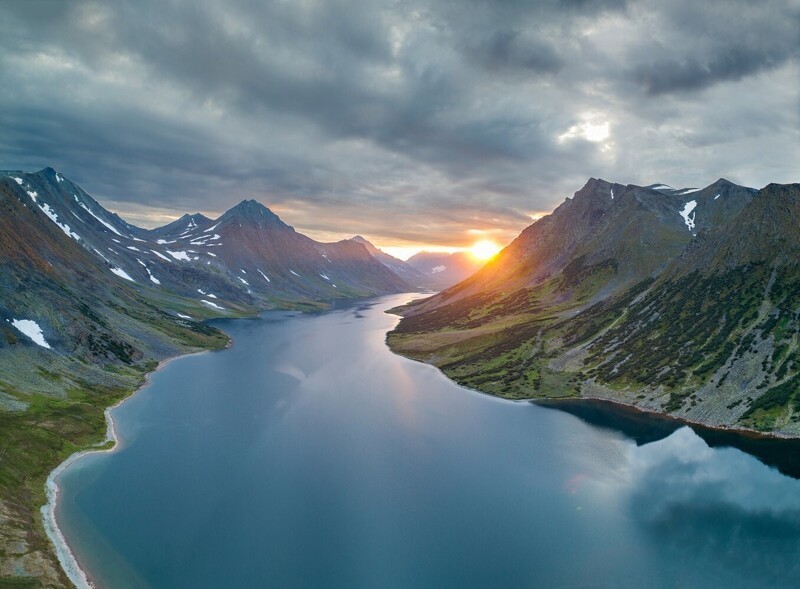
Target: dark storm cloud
357,111
712,43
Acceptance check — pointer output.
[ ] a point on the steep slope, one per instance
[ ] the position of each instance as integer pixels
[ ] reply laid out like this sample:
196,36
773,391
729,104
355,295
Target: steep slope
604,239
711,335
74,338
715,338
442,270
270,262
207,260
403,269
89,304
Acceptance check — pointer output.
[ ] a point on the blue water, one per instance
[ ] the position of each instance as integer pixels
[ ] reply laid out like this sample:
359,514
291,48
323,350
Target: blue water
309,455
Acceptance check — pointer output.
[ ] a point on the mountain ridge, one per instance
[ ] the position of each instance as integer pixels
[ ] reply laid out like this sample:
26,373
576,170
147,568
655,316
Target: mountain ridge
90,304
702,327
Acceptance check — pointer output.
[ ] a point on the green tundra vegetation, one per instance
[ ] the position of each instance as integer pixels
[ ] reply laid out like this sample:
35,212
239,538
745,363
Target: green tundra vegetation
53,409
708,332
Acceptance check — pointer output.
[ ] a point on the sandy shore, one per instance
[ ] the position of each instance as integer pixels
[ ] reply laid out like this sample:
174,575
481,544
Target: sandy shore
66,557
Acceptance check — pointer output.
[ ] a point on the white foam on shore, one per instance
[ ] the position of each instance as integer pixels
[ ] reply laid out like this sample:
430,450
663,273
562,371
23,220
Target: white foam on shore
66,558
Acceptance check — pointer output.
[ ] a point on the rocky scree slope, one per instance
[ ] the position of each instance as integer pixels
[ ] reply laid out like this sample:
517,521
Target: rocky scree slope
702,325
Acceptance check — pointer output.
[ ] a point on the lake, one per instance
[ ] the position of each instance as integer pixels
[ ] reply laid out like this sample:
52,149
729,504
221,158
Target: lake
309,455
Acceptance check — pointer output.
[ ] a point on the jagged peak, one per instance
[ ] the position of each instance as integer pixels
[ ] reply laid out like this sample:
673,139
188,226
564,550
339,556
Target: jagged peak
253,211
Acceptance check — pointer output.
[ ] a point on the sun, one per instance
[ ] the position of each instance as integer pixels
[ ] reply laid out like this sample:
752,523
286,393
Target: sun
484,250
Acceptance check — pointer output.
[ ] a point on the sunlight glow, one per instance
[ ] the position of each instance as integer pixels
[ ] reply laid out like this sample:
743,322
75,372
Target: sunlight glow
484,250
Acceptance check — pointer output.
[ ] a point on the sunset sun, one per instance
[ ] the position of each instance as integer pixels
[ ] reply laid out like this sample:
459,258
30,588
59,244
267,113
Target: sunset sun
484,250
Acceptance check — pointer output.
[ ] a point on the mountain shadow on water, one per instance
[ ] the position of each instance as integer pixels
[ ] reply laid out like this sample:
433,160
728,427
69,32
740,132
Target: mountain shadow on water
644,428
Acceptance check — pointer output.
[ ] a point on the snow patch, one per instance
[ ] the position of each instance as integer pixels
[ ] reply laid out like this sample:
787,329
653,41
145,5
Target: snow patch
612,194
662,187
182,316
179,255
33,194
208,294
264,275
160,255
102,256
122,274
134,248
325,277
18,180
164,241
108,226
437,269
210,304
243,280
690,190
153,279
295,273
210,229
59,178
32,330
716,197
688,214
54,218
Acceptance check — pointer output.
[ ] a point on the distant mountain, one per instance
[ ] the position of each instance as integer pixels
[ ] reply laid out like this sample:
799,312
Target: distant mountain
682,301
440,270
403,269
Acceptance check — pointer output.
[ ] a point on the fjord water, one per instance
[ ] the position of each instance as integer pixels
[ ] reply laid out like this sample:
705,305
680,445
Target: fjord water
309,455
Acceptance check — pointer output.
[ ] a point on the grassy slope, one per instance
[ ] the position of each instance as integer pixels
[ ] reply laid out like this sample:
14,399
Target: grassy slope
49,429
715,339
727,359
106,335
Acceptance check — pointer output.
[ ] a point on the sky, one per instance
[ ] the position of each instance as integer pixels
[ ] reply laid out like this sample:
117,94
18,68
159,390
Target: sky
418,124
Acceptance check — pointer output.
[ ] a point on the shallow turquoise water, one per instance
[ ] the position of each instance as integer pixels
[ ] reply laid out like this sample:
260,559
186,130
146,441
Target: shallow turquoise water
309,455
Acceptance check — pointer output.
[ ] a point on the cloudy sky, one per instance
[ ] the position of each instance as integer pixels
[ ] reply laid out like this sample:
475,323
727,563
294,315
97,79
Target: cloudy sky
415,123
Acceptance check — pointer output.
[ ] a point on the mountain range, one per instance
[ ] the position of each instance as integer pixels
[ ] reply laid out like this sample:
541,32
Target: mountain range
679,301
89,304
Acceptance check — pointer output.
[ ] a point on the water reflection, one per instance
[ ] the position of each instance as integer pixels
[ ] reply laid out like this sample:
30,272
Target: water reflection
721,505
644,428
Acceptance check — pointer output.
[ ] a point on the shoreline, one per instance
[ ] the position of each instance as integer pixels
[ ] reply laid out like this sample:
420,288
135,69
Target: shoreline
66,557
744,432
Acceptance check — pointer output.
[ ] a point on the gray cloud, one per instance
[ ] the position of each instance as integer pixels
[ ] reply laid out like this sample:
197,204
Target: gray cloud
354,114
710,43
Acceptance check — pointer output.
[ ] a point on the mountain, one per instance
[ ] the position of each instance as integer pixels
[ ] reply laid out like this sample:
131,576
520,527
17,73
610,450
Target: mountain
441,270
676,301
403,269
270,259
89,304
75,337
605,238
247,258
